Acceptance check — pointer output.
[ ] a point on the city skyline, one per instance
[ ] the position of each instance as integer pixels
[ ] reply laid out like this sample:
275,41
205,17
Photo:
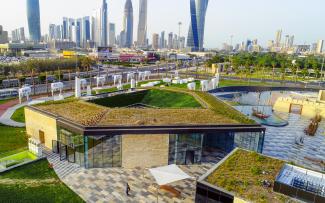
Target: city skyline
220,15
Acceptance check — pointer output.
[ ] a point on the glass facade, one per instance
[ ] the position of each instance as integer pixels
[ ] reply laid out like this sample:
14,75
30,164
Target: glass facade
185,149
33,16
103,151
90,151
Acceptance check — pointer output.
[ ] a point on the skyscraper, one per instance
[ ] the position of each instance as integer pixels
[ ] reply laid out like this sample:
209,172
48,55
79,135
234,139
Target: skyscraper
65,28
18,35
128,25
195,38
162,40
112,34
278,38
170,40
33,17
85,31
319,48
142,26
155,41
104,24
3,36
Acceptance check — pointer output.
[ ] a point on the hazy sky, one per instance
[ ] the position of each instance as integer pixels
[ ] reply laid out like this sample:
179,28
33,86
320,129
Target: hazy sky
241,18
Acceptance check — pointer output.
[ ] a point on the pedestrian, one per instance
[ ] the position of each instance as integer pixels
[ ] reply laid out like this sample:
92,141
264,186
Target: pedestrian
128,189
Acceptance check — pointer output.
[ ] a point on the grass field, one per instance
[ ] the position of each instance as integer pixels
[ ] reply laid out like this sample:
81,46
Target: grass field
35,183
157,98
12,140
5,101
227,83
19,115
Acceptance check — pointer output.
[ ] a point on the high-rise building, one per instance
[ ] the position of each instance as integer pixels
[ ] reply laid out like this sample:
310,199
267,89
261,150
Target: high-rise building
52,31
18,35
127,25
104,24
195,38
3,36
112,40
278,38
85,31
170,40
65,25
286,41
155,41
33,17
162,40
142,26
291,41
319,48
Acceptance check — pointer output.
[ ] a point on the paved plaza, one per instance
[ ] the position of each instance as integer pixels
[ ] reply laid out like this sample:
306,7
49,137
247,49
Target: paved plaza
280,142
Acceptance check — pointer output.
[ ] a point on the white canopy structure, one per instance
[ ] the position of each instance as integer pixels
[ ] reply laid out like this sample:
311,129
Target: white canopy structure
24,92
118,79
141,76
168,174
205,85
191,86
57,86
147,75
130,76
100,81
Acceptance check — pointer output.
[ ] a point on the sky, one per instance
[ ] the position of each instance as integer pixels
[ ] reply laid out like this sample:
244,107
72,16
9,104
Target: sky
242,19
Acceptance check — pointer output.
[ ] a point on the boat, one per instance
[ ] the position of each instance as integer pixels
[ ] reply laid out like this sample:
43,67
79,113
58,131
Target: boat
259,114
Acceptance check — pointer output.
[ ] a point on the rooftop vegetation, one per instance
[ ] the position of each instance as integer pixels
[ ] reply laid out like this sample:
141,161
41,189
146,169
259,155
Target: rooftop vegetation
35,182
156,98
19,115
243,174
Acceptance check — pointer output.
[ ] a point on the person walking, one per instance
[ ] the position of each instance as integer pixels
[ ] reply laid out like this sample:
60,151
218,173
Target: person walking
128,189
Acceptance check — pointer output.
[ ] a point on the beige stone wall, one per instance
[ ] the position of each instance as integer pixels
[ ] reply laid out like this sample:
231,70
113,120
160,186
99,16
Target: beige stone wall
238,200
36,121
144,151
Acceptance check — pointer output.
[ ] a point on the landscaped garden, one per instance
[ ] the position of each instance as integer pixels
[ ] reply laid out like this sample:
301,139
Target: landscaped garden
19,115
36,182
154,97
243,174
12,140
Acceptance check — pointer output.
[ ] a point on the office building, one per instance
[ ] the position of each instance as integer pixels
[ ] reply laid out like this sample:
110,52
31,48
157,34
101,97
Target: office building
52,31
104,24
18,35
170,40
33,18
155,41
195,38
85,31
65,28
162,40
319,47
127,33
3,36
278,38
142,26
111,34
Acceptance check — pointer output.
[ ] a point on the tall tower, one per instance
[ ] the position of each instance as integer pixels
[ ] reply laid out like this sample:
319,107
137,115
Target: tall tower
142,26
195,38
104,30
278,38
128,24
33,18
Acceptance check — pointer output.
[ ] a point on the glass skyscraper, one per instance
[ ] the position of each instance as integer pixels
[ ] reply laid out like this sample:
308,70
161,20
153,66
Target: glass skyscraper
104,24
142,27
196,32
33,17
128,24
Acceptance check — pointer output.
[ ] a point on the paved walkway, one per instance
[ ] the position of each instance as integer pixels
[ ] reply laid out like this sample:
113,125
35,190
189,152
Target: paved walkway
62,168
109,184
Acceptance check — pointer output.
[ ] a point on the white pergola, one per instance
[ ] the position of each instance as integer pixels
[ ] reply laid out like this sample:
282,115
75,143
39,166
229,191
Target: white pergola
205,85
57,87
130,76
100,81
24,92
117,79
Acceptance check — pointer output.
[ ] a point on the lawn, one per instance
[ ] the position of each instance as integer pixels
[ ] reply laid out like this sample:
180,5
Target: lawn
156,98
243,173
12,140
227,83
19,115
35,183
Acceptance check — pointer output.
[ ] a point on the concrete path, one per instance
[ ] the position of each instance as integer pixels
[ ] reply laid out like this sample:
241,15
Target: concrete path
7,114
